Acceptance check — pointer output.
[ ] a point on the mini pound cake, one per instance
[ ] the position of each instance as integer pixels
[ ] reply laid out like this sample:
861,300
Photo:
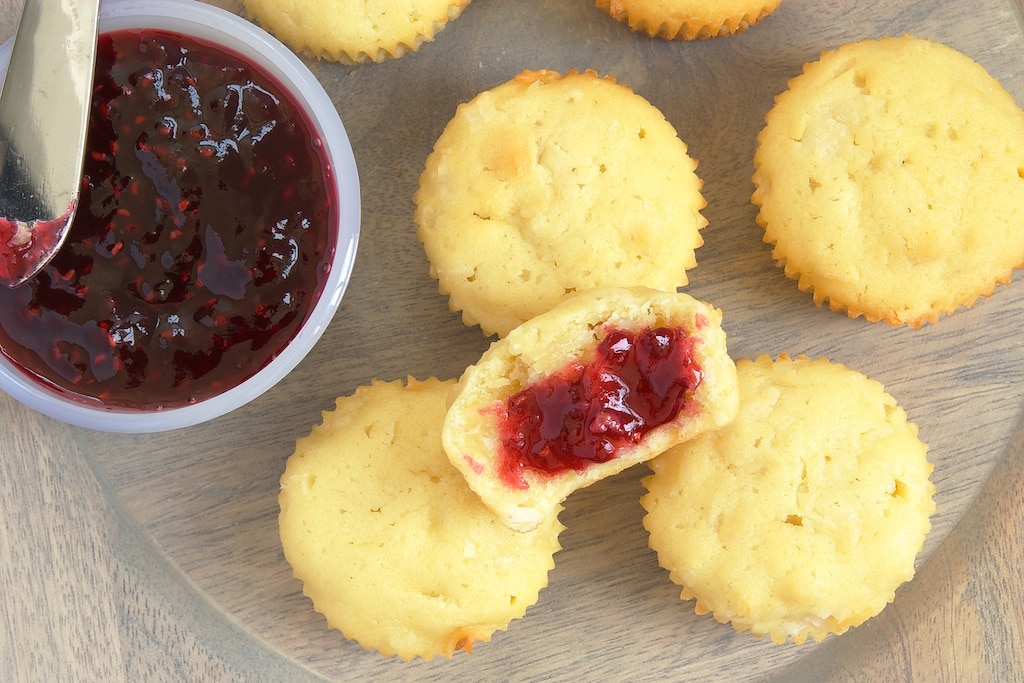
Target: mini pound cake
552,184
802,516
354,31
688,19
389,542
890,180
607,379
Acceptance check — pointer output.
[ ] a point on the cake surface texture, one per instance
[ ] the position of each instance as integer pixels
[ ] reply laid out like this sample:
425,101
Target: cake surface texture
890,180
551,184
389,542
605,380
803,515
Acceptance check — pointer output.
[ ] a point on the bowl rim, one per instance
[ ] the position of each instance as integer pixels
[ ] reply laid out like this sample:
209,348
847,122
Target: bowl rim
242,36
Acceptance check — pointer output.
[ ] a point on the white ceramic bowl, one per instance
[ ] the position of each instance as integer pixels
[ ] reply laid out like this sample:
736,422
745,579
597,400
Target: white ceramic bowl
235,33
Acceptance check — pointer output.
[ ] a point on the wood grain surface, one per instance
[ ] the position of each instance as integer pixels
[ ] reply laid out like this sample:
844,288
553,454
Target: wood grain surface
156,557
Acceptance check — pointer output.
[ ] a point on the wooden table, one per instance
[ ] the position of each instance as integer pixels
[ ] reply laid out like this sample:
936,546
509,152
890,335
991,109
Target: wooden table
156,558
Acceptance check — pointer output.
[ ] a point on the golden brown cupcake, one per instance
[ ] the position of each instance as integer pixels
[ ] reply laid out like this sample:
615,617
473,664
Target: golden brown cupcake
548,185
890,180
802,516
688,19
389,542
605,380
354,31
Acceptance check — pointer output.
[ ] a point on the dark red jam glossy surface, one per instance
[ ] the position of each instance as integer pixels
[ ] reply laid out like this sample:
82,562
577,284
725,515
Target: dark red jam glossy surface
587,412
202,236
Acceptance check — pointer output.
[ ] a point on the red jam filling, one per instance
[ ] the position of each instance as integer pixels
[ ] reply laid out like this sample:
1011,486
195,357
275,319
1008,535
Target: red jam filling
589,411
201,240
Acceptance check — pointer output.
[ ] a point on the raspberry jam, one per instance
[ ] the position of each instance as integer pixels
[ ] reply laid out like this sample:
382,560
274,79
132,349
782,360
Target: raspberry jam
202,236
587,412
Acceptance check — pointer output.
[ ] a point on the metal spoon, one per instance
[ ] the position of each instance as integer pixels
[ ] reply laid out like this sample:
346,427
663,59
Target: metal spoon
44,112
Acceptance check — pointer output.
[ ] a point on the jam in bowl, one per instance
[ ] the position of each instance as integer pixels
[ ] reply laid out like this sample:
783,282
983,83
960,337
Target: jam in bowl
215,232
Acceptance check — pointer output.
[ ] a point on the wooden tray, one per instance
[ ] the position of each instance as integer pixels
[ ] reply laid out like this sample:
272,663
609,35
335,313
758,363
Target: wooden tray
157,557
